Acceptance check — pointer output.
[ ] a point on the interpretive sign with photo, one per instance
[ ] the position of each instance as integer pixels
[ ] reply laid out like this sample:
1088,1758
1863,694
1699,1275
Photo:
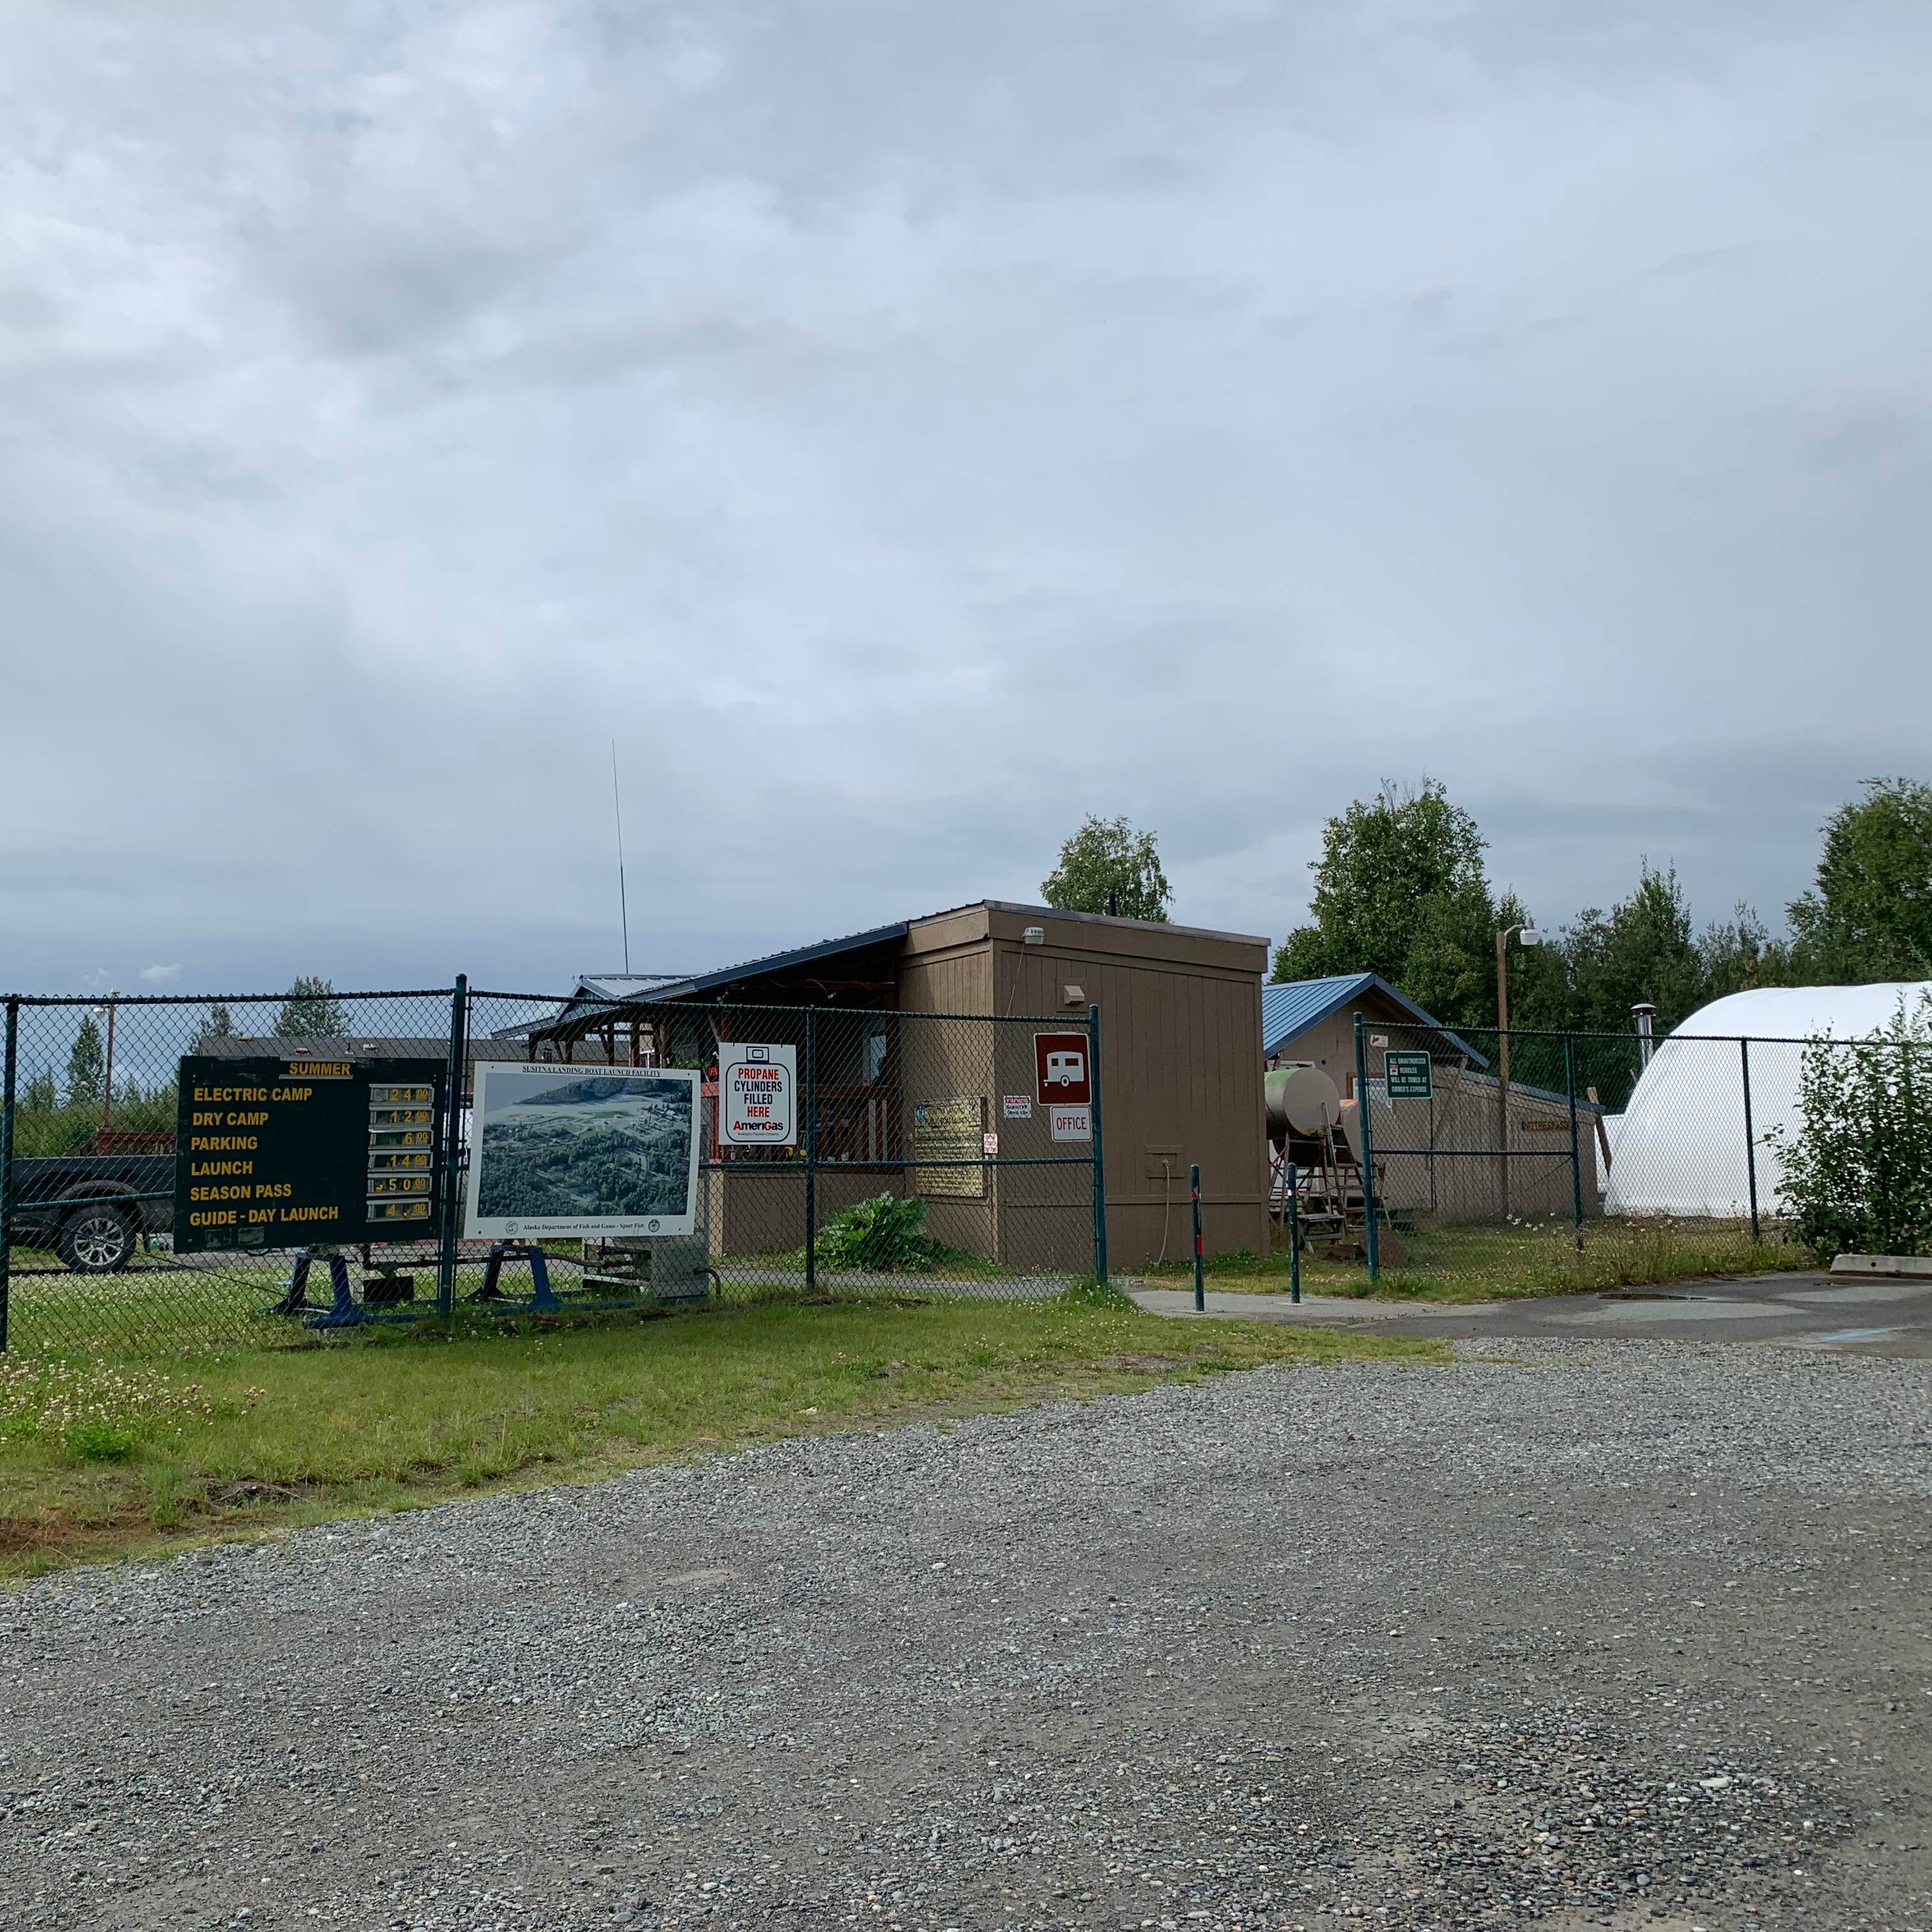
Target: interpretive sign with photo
577,1150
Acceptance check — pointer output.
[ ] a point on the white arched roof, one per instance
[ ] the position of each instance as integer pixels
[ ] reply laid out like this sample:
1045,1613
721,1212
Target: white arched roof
1680,1146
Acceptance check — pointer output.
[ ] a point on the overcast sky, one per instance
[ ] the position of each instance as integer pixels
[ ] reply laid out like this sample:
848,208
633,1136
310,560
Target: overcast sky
910,427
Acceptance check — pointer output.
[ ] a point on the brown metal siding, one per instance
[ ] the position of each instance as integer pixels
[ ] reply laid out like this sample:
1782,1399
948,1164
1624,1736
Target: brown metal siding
1181,1066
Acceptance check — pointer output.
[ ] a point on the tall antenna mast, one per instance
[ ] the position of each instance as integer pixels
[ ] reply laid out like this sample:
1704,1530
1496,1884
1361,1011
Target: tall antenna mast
623,903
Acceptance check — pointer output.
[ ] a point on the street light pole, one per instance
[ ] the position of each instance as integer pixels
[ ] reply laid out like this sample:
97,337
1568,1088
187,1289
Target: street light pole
1530,937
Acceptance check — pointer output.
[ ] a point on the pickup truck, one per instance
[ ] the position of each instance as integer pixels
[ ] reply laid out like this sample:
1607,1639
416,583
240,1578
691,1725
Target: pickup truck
91,1206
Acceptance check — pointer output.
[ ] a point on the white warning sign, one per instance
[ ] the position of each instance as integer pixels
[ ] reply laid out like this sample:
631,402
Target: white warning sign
757,1090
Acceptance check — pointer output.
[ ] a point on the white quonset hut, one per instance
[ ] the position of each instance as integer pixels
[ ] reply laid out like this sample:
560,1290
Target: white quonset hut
1680,1147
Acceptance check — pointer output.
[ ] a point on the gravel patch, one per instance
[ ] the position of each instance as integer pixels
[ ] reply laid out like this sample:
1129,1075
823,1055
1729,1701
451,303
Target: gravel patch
1614,1634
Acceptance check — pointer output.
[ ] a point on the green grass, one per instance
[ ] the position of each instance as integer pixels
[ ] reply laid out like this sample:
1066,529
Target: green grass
164,1305
1486,1263
105,1457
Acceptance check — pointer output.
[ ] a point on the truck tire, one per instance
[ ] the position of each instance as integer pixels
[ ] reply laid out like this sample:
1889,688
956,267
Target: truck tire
97,1239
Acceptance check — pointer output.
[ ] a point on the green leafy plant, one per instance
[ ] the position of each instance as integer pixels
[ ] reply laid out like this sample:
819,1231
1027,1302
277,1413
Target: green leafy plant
1090,1291
886,1233
1858,1170
99,1442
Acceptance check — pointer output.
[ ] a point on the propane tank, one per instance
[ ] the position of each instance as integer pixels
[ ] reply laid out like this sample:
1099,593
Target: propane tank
1302,1101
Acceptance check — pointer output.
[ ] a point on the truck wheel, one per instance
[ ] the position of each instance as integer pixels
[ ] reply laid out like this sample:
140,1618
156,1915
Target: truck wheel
97,1239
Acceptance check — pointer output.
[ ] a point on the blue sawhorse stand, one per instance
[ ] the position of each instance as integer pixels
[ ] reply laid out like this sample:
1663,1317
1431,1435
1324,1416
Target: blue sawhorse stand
542,1296
344,1312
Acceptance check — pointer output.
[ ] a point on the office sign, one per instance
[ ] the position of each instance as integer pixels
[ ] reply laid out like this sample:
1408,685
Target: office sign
277,1152
1070,1123
758,1087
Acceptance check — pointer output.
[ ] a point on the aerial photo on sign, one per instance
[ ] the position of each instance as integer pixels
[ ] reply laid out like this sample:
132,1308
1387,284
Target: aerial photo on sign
563,1151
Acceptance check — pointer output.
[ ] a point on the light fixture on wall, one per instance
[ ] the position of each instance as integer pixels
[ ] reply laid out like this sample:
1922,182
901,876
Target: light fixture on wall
1034,935
1073,996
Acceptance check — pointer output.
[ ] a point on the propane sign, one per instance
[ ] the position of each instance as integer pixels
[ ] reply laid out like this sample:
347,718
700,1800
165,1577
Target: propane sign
756,1089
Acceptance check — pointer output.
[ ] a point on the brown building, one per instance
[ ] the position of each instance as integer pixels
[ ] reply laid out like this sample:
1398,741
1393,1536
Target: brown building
1438,1158
1180,1078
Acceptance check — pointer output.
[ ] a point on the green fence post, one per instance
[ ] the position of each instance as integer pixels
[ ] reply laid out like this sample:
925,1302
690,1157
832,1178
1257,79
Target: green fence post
452,1148
1750,1138
811,1153
1194,1196
1099,1145
1365,1153
7,1082
1576,1152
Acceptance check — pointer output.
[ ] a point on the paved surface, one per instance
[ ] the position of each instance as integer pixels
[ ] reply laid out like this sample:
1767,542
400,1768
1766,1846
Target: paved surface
1864,1316
1613,1632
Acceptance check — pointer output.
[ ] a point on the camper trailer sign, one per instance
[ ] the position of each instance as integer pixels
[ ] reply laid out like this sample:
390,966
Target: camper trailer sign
1409,1075
756,1085
1062,1075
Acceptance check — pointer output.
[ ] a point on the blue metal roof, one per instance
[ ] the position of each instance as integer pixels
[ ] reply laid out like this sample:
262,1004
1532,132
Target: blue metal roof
1289,1009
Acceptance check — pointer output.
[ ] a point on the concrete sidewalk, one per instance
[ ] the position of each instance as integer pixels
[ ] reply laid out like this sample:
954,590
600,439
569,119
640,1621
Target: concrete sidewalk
1811,1310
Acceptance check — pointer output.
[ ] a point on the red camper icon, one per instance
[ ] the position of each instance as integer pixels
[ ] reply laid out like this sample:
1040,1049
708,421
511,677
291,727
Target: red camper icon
1063,1076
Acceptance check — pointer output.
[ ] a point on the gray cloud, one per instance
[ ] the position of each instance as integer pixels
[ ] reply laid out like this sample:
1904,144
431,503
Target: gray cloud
908,430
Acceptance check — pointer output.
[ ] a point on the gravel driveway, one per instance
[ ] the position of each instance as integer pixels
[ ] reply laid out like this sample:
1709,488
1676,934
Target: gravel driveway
1607,1633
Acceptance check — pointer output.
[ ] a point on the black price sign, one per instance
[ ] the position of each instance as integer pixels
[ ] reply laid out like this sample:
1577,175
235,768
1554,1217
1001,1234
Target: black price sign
278,1153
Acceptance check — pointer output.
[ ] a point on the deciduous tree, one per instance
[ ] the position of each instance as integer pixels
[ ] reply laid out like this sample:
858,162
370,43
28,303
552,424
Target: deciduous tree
1108,866
310,1011
1868,915
1399,891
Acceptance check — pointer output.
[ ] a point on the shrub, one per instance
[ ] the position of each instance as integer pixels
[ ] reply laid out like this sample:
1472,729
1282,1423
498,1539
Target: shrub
884,1233
1857,1171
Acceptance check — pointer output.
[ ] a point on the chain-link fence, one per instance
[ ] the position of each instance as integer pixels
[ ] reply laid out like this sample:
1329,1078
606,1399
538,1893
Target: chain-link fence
179,1171
1527,1158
